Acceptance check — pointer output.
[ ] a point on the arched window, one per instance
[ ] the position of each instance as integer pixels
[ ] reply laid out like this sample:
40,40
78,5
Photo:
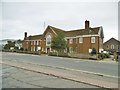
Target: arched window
112,46
48,40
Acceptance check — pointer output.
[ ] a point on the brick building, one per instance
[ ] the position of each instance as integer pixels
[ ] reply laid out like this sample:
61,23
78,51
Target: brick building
112,45
79,41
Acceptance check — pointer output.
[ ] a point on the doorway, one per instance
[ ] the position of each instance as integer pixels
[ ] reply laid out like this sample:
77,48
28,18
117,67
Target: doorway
48,50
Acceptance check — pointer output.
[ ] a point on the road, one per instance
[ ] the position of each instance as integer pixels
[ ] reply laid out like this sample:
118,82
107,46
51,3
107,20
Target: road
91,69
77,64
19,78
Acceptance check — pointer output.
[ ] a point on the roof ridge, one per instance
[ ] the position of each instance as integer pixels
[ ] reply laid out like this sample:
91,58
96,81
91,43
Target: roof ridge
56,28
82,29
74,30
35,35
112,38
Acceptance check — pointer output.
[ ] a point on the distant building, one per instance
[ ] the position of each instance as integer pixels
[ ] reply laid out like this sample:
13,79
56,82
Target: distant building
79,41
112,45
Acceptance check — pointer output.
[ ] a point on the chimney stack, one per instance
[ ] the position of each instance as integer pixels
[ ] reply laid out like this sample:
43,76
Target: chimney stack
25,34
87,24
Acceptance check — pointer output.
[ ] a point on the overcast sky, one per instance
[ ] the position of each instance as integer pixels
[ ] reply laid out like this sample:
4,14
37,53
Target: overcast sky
18,17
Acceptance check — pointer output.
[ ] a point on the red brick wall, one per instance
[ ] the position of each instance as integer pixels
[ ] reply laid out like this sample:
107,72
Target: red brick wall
85,46
43,43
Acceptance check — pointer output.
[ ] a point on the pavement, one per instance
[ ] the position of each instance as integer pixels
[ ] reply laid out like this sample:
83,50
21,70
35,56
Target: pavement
106,60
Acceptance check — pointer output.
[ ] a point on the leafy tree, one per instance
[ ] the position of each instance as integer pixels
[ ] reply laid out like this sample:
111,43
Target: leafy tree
58,42
9,45
18,43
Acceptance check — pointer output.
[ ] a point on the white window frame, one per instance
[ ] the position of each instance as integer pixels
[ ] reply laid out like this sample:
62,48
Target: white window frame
34,48
31,49
112,46
92,39
81,40
70,40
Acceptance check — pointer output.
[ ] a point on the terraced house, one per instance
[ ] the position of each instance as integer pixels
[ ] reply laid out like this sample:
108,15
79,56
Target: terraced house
79,41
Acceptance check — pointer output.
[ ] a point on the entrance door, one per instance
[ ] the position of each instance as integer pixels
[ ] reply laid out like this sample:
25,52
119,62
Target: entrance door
48,50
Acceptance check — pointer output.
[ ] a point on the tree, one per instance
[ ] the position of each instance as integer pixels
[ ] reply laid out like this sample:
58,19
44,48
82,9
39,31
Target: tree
58,42
18,43
9,45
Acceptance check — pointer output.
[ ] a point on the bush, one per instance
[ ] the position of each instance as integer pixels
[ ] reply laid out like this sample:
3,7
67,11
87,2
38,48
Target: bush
63,55
21,49
106,55
103,55
43,52
26,50
60,54
52,54
100,56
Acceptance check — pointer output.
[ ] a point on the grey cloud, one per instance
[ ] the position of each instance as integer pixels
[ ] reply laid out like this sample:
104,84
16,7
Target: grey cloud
62,15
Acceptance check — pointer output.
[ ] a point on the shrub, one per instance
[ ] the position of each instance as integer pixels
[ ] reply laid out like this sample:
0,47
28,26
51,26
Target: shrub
52,54
43,52
21,49
60,54
106,55
103,55
100,56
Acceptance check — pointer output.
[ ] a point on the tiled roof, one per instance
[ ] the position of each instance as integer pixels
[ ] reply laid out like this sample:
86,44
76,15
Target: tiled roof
71,33
111,40
57,30
78,32
34,37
